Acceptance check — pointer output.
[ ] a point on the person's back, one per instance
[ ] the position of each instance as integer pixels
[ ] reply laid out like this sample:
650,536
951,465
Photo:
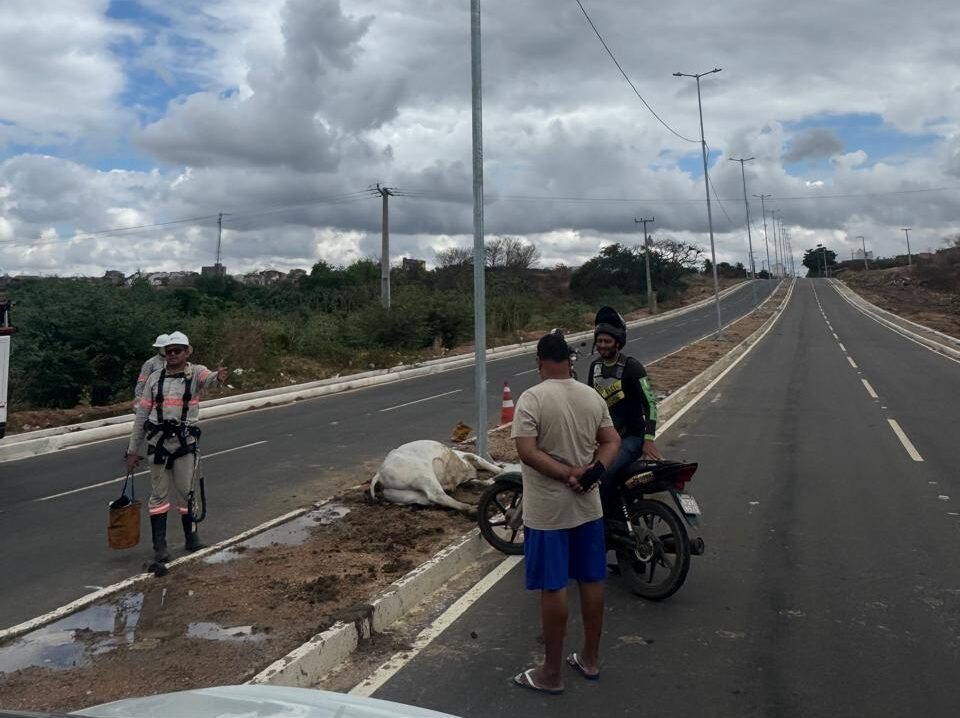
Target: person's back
566,416
564,439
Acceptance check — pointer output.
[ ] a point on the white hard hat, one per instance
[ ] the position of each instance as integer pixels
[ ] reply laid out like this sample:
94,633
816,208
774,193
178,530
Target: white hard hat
176,339
161,341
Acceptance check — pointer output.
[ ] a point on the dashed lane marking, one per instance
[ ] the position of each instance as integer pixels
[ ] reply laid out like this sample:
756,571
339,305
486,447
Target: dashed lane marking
140,473
420,401
907,444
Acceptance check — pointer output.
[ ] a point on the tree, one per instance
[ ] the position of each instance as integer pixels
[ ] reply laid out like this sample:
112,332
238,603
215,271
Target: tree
670,260
815,260
455,257
510,253
616,267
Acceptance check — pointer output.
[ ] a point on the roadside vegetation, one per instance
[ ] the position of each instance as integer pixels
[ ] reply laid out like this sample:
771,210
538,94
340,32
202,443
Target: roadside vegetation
81,342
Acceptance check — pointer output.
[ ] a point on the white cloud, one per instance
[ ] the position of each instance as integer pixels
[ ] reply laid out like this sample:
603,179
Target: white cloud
300,100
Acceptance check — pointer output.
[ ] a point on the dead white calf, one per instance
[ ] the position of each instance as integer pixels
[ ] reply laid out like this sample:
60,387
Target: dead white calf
422,472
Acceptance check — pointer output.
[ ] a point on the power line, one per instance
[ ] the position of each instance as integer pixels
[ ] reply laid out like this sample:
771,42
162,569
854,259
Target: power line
626,77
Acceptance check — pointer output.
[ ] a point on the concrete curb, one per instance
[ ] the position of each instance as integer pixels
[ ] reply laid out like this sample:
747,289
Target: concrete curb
950,348
45,441
669,406
305,665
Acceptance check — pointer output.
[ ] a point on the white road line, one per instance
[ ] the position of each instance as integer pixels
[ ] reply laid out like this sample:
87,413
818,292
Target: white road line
870,391
835,336
385,672
907,444
418,401
842,348
852,362
528,371
139,473
715,399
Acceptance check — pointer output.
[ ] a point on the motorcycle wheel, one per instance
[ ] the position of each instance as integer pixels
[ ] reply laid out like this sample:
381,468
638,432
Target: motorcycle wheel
661,568
497,506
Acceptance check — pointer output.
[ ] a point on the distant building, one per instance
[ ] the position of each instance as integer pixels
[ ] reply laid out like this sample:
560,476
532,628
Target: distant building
413,264
296,274
264,278
113,276
213,270
858,254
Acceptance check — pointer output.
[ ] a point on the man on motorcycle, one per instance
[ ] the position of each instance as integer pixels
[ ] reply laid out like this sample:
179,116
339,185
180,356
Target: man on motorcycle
563,432
623,383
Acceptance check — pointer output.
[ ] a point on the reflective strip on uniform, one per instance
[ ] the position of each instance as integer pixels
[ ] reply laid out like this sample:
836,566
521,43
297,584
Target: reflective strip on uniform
161,509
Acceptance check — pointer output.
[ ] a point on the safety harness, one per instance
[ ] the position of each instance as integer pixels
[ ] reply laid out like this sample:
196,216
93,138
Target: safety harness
171,428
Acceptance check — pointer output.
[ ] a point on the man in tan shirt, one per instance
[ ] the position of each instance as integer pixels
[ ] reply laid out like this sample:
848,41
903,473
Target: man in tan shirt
563,431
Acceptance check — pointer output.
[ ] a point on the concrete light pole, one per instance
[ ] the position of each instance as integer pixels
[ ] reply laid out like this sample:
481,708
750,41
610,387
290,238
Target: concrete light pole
646,256
763,209
746,205
479,277
386,193
706,184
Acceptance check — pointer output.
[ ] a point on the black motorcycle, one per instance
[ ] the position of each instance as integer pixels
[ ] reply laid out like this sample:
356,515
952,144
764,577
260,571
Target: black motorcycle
645,522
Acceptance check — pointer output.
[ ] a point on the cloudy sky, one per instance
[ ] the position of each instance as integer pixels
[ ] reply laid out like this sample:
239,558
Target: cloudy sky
281,113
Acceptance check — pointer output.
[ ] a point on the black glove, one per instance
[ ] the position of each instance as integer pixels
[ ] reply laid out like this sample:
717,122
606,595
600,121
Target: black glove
592,475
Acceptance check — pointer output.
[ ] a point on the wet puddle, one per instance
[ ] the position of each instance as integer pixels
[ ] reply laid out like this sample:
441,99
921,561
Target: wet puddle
292,533
73,641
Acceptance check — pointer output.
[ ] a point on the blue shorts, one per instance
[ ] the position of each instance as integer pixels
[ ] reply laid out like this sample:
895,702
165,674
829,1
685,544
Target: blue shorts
553,558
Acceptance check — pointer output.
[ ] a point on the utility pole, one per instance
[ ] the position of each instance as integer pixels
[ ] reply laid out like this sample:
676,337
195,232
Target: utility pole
823,256
479,277
776,244
646,255
906,231
763,209
864,243
783,246
386,193
218,264
706,184
746,205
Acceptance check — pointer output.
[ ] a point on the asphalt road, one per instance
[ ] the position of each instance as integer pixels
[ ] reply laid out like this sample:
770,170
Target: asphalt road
831,582
258,465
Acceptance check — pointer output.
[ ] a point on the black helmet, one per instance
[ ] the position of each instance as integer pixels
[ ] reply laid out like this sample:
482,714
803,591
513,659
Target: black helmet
609,321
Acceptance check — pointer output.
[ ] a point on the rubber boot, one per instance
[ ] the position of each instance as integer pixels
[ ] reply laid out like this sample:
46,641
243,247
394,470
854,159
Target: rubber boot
158,528
192,542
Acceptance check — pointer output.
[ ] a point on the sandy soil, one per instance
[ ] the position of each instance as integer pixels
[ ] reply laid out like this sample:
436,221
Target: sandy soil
897,290
270,599
221,623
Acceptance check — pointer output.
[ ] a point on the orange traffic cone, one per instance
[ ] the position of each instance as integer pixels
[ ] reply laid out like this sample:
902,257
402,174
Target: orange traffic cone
506,410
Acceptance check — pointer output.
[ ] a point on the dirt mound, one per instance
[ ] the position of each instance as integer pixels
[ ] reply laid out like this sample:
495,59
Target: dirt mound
905,291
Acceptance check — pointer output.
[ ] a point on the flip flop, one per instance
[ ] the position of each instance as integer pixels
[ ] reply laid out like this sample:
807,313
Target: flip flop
525,680
573,660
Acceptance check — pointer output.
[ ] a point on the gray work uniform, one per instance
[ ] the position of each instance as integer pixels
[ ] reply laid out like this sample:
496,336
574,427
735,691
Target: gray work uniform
170,485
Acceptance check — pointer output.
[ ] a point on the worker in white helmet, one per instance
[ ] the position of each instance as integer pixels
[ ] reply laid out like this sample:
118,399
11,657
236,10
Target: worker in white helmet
166,429
154,363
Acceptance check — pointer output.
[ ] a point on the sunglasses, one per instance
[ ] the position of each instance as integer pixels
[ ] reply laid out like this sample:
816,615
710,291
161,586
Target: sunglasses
174,350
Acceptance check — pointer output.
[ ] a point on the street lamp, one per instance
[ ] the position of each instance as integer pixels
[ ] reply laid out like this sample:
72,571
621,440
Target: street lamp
706,184
479,280
743,176
766,242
